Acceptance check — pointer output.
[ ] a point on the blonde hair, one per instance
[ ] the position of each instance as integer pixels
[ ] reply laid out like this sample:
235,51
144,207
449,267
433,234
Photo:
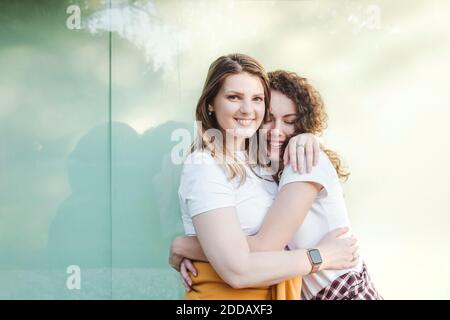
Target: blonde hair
219,70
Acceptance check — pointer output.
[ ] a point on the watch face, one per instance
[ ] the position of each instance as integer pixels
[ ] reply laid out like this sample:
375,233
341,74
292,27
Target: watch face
315,256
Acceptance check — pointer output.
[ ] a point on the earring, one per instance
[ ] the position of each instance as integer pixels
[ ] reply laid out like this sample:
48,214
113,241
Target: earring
209,113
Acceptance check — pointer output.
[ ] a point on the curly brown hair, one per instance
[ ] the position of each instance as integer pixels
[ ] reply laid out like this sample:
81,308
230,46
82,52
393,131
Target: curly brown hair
312,117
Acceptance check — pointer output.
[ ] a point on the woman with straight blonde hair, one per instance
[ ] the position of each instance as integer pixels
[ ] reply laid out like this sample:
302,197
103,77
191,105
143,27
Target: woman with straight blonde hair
225,194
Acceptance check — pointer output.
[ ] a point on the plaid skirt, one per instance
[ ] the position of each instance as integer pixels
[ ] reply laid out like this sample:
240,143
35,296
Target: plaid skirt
350,286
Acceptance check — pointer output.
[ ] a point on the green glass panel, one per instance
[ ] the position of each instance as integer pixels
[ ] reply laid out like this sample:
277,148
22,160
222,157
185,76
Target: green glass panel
55,154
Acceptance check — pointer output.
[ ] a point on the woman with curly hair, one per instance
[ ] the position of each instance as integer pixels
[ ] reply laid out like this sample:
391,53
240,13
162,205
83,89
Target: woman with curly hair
225,196
297,107
307,206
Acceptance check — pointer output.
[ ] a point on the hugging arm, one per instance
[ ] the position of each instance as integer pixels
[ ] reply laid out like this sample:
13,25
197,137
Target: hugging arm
245,261
226,248
282,221
285,216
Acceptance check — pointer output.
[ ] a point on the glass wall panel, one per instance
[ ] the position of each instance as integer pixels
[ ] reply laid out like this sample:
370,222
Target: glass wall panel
55,215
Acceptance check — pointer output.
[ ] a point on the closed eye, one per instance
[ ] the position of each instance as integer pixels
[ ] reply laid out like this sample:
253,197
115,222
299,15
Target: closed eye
290,119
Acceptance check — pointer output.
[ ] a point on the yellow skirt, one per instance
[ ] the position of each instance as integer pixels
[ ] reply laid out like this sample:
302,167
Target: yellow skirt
207,285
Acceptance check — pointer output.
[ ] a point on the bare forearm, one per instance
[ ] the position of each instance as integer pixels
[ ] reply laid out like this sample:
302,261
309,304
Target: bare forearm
257,244
251,269
268,268
189,247
226,248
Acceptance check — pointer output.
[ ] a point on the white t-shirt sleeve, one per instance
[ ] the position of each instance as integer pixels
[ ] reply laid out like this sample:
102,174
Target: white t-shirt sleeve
204,185
323,173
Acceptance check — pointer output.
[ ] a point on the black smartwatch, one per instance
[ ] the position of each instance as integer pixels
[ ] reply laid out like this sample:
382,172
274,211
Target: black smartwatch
315,258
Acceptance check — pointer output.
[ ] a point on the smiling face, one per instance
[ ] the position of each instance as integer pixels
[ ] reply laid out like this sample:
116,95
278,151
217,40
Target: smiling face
280,123
239,106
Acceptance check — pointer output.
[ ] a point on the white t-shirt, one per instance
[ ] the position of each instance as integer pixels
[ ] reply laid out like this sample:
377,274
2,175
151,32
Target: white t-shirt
327,213
204,186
